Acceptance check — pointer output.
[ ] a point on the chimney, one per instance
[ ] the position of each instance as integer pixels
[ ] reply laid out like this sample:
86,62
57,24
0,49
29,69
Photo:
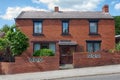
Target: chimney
105,9
56,9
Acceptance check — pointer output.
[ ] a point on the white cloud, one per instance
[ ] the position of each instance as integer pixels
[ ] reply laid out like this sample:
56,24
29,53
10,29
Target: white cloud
114,2
81,5
44,1
12,12
117,6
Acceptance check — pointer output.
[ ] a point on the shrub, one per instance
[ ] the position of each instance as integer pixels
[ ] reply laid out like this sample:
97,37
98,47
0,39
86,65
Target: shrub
116,49
118,46
43,52
112,50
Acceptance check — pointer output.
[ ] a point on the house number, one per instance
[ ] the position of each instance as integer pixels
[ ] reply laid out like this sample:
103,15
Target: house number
35,59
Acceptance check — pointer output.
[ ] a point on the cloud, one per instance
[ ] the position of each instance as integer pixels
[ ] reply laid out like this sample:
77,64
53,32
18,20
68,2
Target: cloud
117,6
82,5
114,2
12,12
44,1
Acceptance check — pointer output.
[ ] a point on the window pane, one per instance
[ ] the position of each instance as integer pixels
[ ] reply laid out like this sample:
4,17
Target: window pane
37,27
36,47
93,27
65,27
90,47
52,47
96,47
44,46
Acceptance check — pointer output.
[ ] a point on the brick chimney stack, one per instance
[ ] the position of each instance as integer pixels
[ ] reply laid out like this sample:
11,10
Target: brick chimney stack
105,9
56,9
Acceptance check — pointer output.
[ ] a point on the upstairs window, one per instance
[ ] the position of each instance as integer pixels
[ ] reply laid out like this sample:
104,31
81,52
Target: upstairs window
65,27
93,27
37,27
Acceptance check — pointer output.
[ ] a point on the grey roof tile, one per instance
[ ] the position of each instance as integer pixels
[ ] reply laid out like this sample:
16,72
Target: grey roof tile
63,14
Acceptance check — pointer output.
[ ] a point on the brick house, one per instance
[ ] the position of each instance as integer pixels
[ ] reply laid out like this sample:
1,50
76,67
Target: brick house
68,31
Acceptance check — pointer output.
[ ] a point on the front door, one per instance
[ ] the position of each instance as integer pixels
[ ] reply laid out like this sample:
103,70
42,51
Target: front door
66,54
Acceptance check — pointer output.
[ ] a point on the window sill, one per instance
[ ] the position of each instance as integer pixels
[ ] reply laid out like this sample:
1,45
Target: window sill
65,34
94,34
38,34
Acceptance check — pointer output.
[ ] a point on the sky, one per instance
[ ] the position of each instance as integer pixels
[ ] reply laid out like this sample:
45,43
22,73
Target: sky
10,9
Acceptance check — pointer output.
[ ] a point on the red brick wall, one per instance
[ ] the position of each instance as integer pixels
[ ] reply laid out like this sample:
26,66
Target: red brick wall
22,65
0,68
79,30
82,60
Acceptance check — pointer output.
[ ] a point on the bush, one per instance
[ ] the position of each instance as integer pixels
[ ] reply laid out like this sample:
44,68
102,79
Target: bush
43,52
15,40
112,50
116,49
118,46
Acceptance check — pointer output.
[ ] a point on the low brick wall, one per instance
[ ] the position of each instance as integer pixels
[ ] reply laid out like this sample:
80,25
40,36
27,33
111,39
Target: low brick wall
23,65
80,59
83,60
0,69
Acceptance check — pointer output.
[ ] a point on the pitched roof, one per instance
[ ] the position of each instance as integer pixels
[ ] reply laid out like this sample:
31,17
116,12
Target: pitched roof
63,15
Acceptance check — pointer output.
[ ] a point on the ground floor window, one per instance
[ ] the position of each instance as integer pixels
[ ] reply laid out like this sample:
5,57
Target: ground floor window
44,46
38,46
93,46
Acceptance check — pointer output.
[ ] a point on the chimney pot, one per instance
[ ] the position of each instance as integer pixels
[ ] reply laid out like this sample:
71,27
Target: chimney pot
105,9
56,9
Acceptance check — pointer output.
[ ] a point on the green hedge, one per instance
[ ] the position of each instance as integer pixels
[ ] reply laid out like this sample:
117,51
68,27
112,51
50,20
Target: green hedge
43,52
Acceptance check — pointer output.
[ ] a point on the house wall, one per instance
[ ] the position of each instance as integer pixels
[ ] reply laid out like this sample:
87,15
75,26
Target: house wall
78,29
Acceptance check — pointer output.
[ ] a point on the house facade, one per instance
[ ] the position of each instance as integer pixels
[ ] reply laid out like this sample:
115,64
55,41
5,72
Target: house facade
66,32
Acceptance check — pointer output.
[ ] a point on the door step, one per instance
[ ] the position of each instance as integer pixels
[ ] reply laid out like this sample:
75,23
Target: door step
66,66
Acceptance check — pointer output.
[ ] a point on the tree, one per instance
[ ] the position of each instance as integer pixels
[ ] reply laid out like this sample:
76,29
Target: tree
5,28
14,41
117,25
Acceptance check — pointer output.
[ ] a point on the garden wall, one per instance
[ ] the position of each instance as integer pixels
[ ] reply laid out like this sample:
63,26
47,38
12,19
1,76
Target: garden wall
82,59
0,69
23,65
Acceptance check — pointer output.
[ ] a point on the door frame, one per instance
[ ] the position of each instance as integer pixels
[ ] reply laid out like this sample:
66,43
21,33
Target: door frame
66,58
